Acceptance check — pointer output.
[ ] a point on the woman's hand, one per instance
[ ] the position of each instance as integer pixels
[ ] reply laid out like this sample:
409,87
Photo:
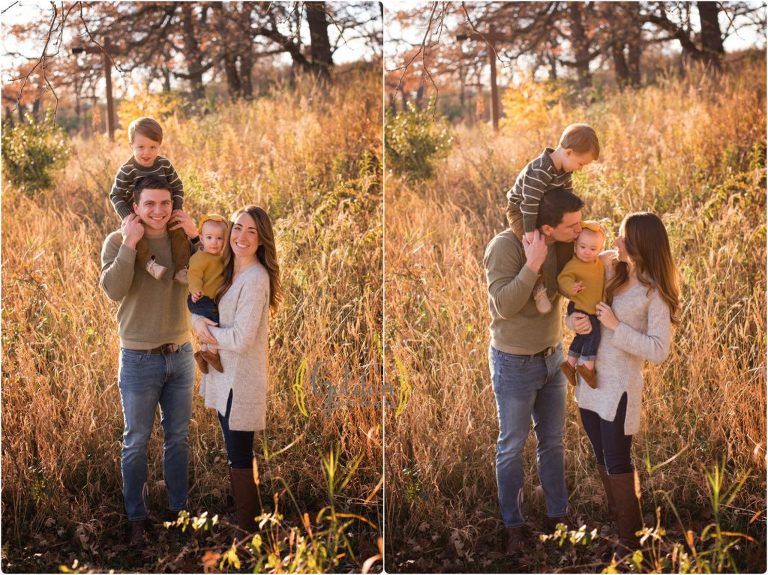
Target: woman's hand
606,316
201,330
196,296
580,323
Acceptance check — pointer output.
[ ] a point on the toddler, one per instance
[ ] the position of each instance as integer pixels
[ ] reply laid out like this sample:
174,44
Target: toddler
551,170
582,281
206,276
145,136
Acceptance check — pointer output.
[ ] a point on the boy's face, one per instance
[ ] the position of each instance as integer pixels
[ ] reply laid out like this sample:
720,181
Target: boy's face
154,208
588,245
573,161
144,150
213,236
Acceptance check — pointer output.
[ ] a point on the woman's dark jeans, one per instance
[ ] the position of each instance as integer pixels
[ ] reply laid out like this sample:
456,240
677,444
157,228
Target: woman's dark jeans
585,345
612,448
239,443
205,307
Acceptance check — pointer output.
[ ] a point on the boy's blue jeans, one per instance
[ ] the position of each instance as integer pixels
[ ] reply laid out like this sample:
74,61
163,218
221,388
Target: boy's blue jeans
146,381
529,389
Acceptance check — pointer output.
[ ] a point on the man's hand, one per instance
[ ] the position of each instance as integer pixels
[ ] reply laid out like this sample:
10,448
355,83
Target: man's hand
132,230
183,221
578,287
196,296
580,322
535,251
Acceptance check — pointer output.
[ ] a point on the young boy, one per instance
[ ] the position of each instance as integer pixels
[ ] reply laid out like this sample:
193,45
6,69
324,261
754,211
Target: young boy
206,276
551,170
145,136
583,282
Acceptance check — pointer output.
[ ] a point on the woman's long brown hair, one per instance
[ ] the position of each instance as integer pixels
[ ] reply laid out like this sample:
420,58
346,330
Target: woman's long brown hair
647,244
266,253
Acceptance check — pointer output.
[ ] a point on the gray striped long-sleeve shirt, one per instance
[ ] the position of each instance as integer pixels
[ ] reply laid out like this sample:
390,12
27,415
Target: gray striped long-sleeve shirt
536,179
121,194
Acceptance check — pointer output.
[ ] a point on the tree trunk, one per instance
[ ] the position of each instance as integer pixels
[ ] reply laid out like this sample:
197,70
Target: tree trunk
193,55
580,44
634,41
620,64
711,38
246,71
320,45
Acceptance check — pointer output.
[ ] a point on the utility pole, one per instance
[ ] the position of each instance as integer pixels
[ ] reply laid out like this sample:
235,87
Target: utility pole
107,63
490,39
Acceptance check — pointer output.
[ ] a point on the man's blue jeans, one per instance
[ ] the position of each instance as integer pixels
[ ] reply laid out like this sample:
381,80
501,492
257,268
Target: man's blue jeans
529,388
146,381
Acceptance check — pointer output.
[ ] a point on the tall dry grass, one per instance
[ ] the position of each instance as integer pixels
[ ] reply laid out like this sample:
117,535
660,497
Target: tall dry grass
313,162
692,150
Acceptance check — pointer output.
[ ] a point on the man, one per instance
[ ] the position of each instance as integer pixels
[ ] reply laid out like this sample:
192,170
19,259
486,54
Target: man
156,363
525,356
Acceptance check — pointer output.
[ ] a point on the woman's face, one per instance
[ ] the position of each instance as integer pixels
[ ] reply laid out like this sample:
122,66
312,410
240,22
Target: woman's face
620,245
244,239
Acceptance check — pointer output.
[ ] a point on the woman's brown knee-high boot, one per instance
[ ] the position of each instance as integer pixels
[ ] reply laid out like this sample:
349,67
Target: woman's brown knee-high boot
245,494
603,472
627,503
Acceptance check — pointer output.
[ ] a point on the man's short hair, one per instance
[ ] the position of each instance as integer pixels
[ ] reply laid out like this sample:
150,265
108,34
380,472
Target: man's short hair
150,182
554,205
147,127
581,138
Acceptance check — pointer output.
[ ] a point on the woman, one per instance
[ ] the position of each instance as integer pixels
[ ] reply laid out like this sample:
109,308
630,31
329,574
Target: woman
642,297
251,288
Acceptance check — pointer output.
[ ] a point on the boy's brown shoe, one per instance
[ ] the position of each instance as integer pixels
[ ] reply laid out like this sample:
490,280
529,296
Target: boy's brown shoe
213,359
569,371
182,276
543,305
588,375
155,269
201,363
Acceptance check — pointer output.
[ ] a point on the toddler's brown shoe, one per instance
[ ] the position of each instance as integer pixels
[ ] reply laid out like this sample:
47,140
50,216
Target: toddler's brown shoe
569,371
200,360
213,359
588,375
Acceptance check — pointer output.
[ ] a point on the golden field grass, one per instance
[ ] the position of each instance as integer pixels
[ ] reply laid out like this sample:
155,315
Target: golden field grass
313,162
693,151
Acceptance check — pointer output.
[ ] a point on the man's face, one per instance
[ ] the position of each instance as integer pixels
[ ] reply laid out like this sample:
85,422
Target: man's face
154,208
144,150
568,229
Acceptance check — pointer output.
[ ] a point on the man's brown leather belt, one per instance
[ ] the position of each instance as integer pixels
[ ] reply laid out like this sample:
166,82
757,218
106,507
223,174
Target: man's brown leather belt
165,349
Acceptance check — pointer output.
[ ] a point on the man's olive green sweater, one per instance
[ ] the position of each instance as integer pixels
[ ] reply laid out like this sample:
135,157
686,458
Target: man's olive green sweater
152,312
516,325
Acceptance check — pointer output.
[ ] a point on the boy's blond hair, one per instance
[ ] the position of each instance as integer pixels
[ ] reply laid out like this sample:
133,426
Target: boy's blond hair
581,138
147,127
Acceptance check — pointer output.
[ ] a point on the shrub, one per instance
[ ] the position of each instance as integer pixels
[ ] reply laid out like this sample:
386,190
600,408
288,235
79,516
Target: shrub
32,152
414,140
